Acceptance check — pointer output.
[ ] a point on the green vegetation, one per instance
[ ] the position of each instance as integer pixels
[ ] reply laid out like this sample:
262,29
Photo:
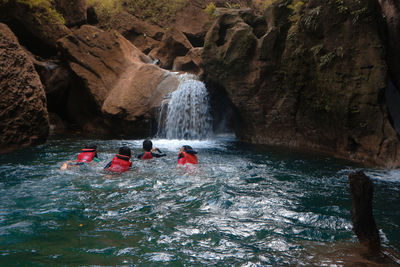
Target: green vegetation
155,11
211,11
261,5
232,5
357,9
310,20
106,10
44,11
295,6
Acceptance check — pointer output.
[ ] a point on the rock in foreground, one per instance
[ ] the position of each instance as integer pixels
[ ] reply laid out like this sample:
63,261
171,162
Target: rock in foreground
23,115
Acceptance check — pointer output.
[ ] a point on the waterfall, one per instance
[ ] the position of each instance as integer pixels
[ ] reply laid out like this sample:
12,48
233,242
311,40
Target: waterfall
185,113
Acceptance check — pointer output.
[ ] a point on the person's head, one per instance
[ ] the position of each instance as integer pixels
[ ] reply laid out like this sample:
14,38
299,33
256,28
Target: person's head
147,145
92,146
188,149
125,151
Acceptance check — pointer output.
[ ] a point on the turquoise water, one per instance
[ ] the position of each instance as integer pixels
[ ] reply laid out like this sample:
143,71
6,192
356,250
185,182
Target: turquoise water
242,206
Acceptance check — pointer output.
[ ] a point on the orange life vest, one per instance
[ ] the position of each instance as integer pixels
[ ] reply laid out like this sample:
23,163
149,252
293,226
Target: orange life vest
185,157
87,155
147,155
120,163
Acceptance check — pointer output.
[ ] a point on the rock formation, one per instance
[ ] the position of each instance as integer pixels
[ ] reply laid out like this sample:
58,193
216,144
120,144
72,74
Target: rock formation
364,225
391,11
119,85
23,114
73,11
315,79
143,35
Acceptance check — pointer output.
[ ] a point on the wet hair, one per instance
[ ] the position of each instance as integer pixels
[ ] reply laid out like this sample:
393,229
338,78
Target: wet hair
124,150
189,150
91,146
147,145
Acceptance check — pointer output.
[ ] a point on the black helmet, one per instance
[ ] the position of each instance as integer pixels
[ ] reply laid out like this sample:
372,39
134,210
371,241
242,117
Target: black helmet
147,145
124,150
91,146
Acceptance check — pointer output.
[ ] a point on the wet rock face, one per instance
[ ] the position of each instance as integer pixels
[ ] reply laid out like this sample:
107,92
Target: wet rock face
36,21
173,44
315,79
23,115
364,226
118,86
74,11
143,35
391,12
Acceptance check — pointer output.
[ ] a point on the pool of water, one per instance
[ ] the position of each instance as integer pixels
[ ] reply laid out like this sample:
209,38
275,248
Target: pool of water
242,205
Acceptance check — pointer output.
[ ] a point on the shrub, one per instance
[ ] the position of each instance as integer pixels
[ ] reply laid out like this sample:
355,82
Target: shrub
44,11
106,10
295,6
211,10
155,11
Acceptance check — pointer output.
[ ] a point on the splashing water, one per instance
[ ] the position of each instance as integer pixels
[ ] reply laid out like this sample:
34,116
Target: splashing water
240,206
188,113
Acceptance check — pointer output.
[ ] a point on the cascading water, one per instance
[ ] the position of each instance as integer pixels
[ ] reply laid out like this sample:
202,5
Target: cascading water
187,115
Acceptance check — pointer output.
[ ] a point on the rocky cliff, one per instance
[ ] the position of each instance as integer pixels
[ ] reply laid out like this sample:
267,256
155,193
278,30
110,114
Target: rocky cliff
23,114
314,79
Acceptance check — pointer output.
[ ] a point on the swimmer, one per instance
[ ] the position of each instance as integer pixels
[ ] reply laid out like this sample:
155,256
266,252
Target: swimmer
187,155
149,151
121,162
88,155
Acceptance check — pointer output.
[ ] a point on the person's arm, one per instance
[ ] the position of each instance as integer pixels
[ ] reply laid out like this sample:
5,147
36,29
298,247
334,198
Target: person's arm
159,154
156,155
108,165
139,156
96,160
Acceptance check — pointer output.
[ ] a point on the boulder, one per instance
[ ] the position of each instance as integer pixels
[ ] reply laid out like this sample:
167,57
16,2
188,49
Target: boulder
314,80
143,35
364,226
391,11
23,115
173,44
73,11
193,21
118,88
192,62
37,19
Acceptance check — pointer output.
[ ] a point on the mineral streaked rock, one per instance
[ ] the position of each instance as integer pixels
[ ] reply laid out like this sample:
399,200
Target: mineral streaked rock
23,115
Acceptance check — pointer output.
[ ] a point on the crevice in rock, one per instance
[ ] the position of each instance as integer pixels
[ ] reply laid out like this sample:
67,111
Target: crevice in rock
222,109
222,34
195,41
30,41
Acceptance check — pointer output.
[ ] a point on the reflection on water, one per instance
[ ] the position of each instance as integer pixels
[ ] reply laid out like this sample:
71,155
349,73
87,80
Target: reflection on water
243,205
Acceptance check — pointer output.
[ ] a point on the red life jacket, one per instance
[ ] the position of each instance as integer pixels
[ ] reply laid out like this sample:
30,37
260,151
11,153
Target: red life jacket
147,155
87,155
187,158
120,163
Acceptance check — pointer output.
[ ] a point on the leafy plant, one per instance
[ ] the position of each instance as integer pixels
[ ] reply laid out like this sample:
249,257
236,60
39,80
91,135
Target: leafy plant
232,5
154,10
211,11
106,10
295,6
44,11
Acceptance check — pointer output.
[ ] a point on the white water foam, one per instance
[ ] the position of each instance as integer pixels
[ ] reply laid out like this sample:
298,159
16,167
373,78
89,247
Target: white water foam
187,115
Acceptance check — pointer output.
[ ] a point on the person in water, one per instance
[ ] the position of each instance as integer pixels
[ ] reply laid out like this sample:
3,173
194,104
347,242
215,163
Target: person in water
187,155
87,155
121,162
149,151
